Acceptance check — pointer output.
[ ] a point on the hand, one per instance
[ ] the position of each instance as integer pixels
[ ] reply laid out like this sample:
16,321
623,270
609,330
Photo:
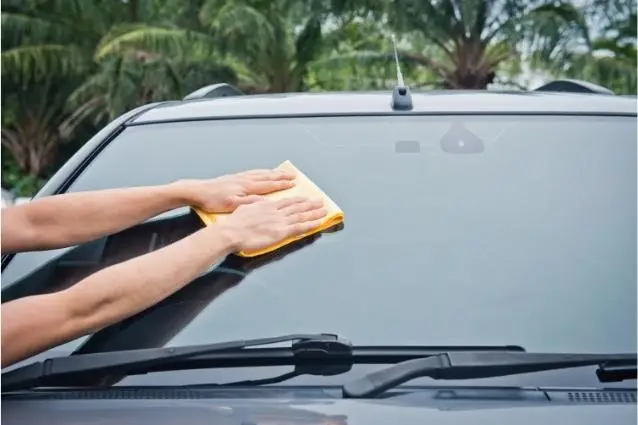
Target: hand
226,193
262,224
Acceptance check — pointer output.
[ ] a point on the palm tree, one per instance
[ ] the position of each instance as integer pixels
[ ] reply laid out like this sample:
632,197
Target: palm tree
466,41
56,38
609,59
46,50
35,123
56,41
133,77
270,43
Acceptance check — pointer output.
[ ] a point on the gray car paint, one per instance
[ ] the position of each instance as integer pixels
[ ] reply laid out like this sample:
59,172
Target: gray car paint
449,407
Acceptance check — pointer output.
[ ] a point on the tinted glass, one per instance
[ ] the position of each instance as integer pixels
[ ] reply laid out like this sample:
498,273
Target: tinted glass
459,230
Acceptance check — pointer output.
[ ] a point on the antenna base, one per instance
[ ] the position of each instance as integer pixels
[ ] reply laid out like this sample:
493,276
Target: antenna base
401,98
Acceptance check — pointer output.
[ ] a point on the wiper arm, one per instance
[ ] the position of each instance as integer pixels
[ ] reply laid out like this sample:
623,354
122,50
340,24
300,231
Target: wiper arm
472,365
55,369
311,354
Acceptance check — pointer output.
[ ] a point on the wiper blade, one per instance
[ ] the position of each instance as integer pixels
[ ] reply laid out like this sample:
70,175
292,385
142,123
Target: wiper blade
311,354
50,370
473,365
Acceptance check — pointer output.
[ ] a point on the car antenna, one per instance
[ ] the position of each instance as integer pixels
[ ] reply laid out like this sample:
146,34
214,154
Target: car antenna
401,97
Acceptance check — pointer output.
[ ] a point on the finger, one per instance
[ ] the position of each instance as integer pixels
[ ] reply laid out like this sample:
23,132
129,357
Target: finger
268,186
266,175
286,202
300,207
307,216
301,228
298,204
254,172
250,199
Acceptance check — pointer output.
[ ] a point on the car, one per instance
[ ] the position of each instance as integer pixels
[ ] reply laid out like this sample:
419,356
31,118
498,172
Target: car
21,200
485,271
8,199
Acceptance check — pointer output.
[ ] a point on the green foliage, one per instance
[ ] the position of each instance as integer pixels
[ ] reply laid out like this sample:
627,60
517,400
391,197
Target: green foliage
21,184
36,122
608,55
467,41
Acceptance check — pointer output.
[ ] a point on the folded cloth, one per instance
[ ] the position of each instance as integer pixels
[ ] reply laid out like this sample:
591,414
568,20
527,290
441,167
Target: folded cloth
303,187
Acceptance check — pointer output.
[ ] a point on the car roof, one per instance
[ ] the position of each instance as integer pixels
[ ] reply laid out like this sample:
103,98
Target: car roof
378,103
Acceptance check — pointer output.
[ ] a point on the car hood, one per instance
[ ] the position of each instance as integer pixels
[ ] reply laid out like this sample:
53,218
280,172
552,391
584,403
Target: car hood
435,406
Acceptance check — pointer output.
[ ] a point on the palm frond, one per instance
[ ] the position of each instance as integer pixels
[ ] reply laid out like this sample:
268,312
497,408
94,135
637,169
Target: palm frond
360,57
32,63
435,23
117,31
553,31
209,10
167,42
495,54
90,14
241,24
93,87
20,28
607,71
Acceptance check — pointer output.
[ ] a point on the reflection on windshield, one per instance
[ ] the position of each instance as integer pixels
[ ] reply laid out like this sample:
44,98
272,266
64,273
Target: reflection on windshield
460,140
159,324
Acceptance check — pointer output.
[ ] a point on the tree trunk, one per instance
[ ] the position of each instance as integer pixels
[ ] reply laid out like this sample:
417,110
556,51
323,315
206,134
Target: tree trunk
33,146
134,8
470,70
468,80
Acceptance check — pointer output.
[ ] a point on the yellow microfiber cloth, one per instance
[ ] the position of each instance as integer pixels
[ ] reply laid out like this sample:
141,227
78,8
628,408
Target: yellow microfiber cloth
303,187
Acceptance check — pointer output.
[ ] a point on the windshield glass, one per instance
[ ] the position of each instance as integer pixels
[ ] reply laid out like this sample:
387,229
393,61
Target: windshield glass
459,230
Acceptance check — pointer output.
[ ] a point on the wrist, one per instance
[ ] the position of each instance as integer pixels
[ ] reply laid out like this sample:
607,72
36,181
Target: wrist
179,193
229,238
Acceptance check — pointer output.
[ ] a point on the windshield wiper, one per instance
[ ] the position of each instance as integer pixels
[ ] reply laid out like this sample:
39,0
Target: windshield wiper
473,365
315,346
313,354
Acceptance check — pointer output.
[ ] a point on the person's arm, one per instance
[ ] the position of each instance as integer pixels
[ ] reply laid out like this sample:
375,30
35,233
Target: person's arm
35,323
69,219
31,324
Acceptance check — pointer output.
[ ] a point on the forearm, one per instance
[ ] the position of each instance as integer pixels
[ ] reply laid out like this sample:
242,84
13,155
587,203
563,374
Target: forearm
74,218
108,296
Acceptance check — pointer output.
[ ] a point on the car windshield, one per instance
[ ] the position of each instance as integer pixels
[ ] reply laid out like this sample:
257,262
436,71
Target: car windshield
467,230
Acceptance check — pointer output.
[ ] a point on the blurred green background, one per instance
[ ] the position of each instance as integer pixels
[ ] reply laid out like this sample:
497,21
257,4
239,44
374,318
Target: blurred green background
70,66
